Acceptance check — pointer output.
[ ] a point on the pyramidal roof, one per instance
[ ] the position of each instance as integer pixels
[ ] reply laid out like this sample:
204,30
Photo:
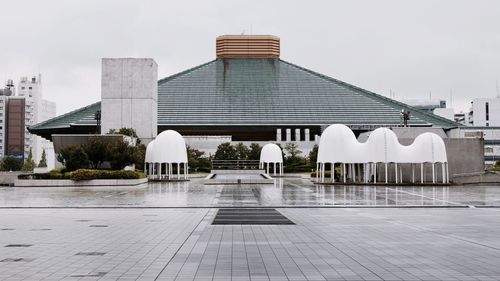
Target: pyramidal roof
260,92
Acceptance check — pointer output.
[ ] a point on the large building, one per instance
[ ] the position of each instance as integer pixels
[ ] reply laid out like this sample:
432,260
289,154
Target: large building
246,94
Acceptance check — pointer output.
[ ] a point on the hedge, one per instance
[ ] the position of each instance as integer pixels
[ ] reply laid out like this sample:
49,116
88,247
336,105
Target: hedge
84,174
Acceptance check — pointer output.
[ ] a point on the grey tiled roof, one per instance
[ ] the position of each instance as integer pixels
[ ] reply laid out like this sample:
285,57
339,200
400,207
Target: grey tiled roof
262,92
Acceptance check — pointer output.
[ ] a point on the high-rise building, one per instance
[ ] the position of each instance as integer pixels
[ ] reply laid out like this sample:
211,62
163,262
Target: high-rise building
37,110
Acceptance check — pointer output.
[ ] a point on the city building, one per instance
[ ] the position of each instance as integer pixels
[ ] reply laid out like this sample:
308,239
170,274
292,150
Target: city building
37,110
485,112
28,94
246,94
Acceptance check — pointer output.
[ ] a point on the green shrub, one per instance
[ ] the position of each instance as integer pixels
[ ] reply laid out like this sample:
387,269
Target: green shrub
328,174
84,175
88,174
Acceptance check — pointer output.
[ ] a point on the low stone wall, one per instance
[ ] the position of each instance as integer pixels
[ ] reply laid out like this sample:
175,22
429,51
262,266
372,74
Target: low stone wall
41,183
478,178
8,178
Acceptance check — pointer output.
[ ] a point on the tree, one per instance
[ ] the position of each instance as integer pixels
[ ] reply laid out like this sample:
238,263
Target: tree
125,131
97,150
292,150
43,160
10,163
73,158
29,164
313,156
140,152
197,160
254,153
121,154
242,151
293,161
225,151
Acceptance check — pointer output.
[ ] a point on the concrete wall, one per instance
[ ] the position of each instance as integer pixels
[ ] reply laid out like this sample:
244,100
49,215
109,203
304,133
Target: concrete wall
8,178
129,93
464,155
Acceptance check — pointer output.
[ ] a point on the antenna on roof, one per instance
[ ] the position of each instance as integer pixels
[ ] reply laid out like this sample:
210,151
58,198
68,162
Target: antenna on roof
451,97
498,92
243,32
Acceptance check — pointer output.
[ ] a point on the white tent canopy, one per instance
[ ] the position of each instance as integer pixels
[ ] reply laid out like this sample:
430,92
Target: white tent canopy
271,155
167,149
338,144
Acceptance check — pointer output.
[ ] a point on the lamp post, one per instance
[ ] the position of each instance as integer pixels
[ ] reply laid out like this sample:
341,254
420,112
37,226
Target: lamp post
97,117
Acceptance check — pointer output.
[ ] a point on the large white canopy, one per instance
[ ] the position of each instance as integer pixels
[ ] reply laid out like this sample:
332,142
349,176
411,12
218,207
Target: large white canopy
271,153
168,147
338,144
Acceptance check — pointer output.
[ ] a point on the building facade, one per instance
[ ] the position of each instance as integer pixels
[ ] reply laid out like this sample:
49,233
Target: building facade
485,112
246,94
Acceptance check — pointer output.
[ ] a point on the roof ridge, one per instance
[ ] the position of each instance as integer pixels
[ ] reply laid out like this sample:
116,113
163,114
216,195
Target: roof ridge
168,78
375,95
63,115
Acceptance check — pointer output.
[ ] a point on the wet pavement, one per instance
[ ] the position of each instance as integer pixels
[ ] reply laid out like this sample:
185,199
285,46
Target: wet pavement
284,192
164,231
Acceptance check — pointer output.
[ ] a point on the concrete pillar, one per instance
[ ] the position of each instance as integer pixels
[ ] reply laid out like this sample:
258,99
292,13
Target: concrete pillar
307,135
421,172
129,94
386,179
278,134
344,171
288,134
297,135
317,171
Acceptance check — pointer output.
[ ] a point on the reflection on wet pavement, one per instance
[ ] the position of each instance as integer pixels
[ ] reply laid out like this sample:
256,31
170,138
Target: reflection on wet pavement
284,192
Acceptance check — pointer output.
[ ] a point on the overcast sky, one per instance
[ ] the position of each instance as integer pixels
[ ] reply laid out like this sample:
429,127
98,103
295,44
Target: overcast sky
412,47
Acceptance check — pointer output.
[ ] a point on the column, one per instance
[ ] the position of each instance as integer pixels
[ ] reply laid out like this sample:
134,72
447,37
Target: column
278,134
297,135
288,134
307,135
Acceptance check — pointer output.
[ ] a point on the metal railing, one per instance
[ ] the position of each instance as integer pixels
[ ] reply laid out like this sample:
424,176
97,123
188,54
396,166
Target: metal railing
235,164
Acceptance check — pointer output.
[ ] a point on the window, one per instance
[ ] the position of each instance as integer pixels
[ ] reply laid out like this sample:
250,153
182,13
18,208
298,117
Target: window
22,88
30,88
487,112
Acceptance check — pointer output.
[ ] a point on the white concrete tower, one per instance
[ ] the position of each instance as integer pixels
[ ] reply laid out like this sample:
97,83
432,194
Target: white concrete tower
129,93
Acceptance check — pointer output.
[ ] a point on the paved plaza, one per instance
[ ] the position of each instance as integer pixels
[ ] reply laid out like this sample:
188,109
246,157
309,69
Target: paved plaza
165,232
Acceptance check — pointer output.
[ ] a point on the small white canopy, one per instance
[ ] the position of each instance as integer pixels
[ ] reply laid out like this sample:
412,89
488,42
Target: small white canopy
168,147
149,152
271,153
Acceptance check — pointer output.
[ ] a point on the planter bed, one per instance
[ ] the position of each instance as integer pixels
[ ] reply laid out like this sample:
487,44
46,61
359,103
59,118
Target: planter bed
103,182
